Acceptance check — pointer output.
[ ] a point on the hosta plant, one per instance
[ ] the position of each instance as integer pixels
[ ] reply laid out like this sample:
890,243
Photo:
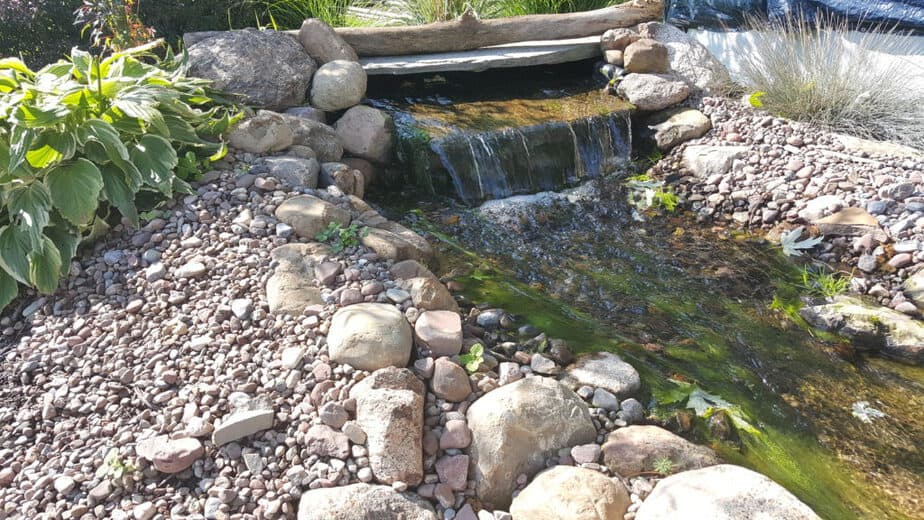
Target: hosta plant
84,135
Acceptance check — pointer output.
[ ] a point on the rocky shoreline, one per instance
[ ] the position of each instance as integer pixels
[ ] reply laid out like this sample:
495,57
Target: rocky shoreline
175,376
769,175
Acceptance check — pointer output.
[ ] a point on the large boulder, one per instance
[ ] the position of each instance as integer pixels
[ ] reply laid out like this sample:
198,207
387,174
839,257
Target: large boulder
315,135
367,132
871,327
269,69
634,449
604,370
294,171
516,427
370,336
390,410
395,242
704,161
650,92
618,39
323,43
689,59
338,85
450,381
570,493
265,132
362,502
309,215
430,294
723,492
645,56
439,331
676,125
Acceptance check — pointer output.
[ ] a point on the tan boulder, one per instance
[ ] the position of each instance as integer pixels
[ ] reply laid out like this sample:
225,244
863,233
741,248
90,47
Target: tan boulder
570,493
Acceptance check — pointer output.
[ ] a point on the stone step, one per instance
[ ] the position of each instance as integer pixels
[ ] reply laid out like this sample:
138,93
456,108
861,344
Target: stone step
521,54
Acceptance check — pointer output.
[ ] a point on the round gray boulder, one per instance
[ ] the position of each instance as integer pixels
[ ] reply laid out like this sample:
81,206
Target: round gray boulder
362,502
367,132
338,85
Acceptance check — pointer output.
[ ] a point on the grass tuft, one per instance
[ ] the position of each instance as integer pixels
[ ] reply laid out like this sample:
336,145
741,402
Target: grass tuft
809,71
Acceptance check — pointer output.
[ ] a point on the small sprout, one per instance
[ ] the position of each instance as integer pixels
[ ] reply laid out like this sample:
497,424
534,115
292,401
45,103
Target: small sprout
474,358
340,237
663,465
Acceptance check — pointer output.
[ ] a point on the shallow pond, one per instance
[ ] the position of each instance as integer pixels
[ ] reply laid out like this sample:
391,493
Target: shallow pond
694,312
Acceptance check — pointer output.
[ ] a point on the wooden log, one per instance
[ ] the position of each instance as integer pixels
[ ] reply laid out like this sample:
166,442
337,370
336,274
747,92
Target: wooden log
468,32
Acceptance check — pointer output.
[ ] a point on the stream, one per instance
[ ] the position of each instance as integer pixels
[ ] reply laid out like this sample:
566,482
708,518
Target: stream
707,316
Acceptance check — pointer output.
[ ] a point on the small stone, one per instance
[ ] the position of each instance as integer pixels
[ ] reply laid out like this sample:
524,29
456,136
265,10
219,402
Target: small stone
586,453
397,295
604,399
170,455
242,423
867,263
450,381
64,484
453,471
242,308
144,511
154,272
508,373
333,414
191,270
631,411
354,432
456,435
439,331
901,260
323,441
543,365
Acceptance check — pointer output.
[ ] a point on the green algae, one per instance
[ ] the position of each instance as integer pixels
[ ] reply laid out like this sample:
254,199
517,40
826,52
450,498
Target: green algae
716,331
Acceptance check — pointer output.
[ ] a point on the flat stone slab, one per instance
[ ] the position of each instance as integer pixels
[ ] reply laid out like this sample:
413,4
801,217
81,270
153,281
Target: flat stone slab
521,54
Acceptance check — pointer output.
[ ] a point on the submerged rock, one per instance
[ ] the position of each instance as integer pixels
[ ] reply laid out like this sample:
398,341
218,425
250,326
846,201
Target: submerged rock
871,327
723,492
604,370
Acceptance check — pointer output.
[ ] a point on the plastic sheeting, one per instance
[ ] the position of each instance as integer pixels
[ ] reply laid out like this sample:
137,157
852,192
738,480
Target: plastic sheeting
729,14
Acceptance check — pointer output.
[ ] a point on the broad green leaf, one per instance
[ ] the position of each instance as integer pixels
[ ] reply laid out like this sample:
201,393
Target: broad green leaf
117,190
83,62
183,132
181,186
65,239
155,159
107,135
9,289
51,147
20,141
17,65
30,206
14,253
36,117
45,267
75,189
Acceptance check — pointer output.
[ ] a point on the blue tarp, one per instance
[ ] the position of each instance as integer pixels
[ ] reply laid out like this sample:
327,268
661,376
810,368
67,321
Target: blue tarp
729,14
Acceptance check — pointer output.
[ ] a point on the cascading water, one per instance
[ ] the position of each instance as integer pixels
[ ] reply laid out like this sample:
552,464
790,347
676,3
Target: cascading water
540,137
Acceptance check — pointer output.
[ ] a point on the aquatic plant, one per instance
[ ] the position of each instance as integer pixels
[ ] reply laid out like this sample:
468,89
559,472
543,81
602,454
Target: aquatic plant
791,244
811,71
820,282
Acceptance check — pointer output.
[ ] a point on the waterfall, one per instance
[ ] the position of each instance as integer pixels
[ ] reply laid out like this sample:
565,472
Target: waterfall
547,156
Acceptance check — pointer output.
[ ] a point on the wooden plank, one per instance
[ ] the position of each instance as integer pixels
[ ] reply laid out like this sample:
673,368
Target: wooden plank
521,54
469,33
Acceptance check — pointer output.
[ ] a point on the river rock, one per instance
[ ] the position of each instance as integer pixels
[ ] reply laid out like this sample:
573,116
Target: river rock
396,242
268,68
450,381
852,222
338,85
634,449
170,455
914,288
570,493
645,56
390,410
324,441
370,336
290,292
430,294
688,59
296,172
677,125
362,502
323,43
242,423
307,112
367,132
871,327
439,331
309,215
723,492
319,137
704,161
650,92
604,370
407,269
514,429
618,39
265,132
